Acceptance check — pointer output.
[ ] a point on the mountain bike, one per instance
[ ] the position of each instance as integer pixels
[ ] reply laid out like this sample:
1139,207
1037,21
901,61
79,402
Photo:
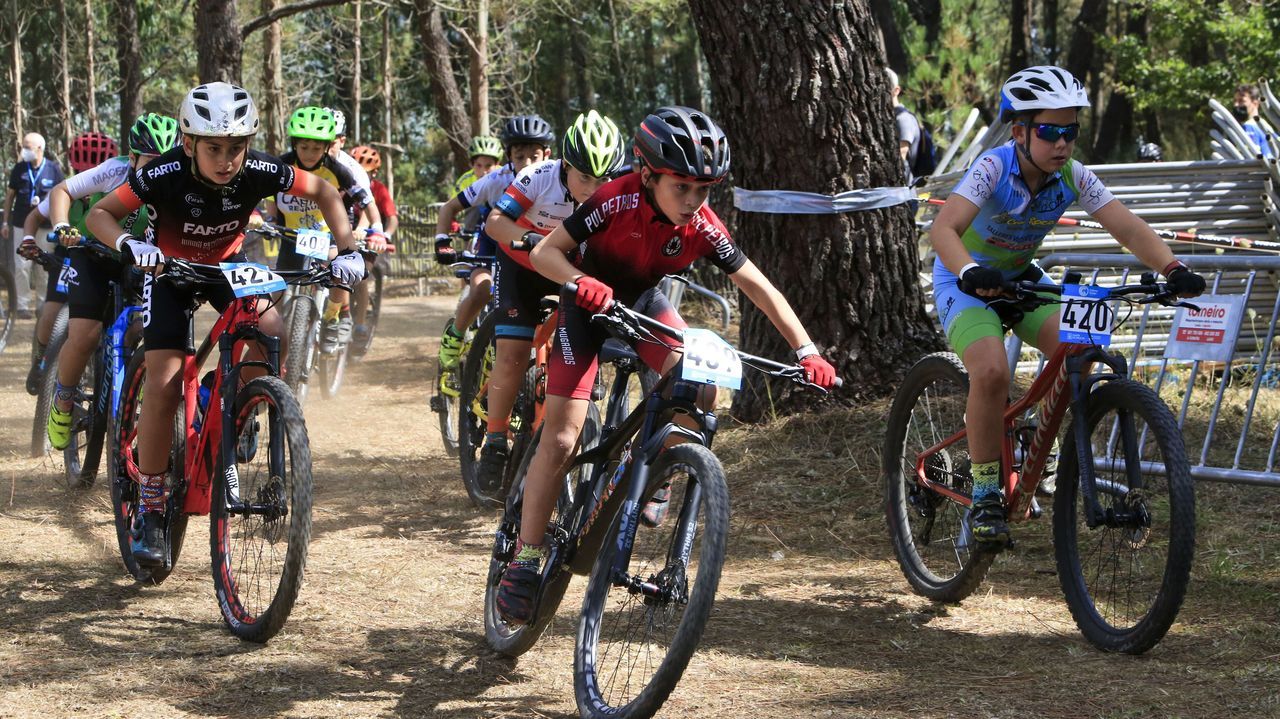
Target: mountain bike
361,342
1124,506
97,398
651,584
447,387
240,455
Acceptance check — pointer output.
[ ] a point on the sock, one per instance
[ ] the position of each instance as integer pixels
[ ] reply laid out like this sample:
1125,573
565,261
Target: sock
153,491
986,479
496,438
331,311
529,555
452,331
62,396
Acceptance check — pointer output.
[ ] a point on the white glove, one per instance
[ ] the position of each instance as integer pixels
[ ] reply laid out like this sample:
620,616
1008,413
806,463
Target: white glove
145,256
347,269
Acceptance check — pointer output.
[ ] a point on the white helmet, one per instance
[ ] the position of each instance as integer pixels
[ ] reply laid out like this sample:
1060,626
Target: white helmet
1043,87
339,120
218,109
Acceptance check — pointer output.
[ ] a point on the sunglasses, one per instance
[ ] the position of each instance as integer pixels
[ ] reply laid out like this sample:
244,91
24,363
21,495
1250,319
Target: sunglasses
1052,133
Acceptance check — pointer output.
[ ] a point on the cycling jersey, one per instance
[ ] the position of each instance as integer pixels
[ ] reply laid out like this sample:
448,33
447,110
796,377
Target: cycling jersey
197,221
464,181
355,168
382,198
1009,228
300,213
537,200
627,244
479,196
86,188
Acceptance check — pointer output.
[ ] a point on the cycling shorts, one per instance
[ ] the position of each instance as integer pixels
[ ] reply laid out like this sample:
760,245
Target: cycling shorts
88,285
166,309
63,272
520,292
574,360
967,319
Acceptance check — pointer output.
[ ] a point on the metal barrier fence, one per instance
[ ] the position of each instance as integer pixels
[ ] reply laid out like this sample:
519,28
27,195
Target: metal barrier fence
1238,440
415,243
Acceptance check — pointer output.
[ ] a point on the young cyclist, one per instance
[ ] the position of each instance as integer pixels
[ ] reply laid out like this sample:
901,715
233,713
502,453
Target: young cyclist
631,232
200,196
526,139
86,151
988,232
539,199
86,283
371,161
485,153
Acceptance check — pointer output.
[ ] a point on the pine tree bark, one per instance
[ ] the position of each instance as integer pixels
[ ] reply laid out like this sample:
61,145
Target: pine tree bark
129,56
799,88
91,82
64,106
1019,36
444,88
479,71
357,92
15,73
218,41
273,104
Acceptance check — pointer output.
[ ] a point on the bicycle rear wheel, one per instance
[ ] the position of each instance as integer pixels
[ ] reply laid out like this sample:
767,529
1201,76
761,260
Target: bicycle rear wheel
929,530
83,454
8,306
260,519
624,631
122,445
472,410
1125,583
362,347
332,370
445,401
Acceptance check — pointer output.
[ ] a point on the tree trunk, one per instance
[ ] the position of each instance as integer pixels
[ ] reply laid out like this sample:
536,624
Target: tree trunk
91,82
444,88
853,278
272,82
927,14
891,37
1019,36
356,94
1089,25
1117,130
1049,21
15,72
578,43
129,55
64,108
388,176
218,41
480,71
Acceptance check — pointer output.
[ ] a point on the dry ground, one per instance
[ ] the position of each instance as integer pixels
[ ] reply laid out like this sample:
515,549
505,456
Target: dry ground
813,617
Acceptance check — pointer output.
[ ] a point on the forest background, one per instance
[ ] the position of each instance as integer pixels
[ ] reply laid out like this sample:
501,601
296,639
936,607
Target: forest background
426,76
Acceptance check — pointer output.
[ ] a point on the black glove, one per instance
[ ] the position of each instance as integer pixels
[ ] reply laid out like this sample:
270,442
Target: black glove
980,278
445,254
1185,283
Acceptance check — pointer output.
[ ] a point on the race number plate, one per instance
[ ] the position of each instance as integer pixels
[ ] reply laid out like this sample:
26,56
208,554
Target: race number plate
249,278
313,243
710,360
1086,317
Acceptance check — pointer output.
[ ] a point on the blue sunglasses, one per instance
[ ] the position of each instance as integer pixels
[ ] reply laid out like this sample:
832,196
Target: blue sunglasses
1052,133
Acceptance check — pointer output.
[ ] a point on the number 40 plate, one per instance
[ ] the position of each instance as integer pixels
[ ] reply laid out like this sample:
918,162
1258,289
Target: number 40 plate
1086,317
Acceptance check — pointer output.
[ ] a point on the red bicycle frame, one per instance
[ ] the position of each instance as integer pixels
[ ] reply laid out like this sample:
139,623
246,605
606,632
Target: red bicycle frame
1050,391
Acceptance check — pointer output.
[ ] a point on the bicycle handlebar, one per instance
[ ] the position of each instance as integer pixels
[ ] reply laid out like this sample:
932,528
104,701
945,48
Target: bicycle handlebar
1026,292
627,321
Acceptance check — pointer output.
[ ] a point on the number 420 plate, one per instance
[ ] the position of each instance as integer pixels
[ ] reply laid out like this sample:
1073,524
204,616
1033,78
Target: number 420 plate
1086,317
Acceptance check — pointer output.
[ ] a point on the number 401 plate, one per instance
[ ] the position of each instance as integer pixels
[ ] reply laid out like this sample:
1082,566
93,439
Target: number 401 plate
1086,317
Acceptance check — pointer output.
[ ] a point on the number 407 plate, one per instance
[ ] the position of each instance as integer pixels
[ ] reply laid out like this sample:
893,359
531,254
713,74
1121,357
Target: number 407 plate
1086,317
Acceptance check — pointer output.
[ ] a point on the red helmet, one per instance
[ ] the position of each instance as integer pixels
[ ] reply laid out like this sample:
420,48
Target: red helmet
90,150
368,157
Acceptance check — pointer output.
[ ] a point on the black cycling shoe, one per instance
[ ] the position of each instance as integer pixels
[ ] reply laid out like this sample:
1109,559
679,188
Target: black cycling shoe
518,591
987,521
493,466
33,376
150,551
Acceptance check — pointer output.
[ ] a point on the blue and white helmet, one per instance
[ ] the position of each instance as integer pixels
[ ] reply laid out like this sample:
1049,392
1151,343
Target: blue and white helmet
1043,87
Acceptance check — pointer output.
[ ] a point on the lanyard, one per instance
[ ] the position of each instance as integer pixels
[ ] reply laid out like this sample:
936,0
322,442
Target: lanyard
35,188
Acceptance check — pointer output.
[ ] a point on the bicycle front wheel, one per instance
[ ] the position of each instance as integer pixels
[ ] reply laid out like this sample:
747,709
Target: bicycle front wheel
8,306
304,328
260,520
635,642
929,530
83,454
473,413
1125,579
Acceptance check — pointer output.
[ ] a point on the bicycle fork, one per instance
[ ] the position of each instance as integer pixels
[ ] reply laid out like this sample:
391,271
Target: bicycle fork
1082,383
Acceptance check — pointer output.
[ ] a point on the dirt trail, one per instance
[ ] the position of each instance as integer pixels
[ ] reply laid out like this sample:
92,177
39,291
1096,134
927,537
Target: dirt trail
812,619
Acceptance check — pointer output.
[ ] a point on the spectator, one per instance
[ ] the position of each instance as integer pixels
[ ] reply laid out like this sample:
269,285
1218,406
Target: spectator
29,181
1247,102
908,129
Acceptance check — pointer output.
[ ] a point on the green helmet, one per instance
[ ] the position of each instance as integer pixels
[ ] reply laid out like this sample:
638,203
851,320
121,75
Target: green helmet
485,145
592,144
153,134
313,123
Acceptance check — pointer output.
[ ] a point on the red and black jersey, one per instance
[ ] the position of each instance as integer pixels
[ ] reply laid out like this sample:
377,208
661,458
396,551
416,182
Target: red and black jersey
628,245
193,220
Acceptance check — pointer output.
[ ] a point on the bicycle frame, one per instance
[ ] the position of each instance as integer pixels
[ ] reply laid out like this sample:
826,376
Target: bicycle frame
237,325
1065,379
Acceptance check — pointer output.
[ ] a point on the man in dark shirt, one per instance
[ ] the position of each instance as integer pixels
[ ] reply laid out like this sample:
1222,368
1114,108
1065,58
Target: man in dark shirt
29,181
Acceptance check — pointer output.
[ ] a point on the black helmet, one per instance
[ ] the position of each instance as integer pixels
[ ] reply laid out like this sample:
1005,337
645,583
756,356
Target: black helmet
527,130
683,141
1150,152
